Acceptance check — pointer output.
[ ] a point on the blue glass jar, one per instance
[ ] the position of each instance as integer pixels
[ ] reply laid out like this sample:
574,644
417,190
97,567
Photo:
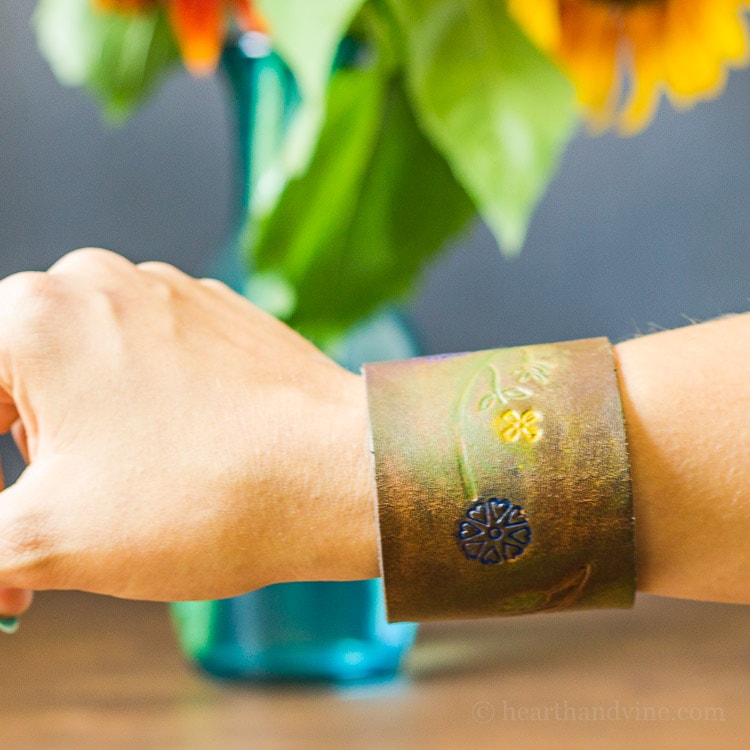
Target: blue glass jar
337,631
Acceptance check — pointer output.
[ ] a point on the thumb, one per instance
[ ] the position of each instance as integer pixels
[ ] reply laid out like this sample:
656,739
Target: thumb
25,539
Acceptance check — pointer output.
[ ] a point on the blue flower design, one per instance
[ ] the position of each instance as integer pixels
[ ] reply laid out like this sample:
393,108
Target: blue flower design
494,531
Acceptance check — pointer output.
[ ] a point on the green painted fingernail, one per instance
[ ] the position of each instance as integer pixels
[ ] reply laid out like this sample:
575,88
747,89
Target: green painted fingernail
8,624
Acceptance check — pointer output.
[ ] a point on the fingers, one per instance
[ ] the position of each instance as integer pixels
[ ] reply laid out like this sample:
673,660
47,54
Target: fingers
8,413
216,286
165,272
37,310
14,602
20,437
26,299
93,264
21,298
105,268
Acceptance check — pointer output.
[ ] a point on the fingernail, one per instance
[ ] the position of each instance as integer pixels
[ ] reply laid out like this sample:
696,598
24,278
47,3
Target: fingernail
8,625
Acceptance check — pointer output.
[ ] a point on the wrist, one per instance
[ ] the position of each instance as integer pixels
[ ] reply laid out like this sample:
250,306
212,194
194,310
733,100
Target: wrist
356,486
338,535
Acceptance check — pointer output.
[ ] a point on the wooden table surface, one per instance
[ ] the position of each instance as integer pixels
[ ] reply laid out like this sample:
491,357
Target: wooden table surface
92,672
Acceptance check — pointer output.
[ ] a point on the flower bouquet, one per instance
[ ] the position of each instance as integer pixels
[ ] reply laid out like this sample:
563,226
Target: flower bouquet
445,109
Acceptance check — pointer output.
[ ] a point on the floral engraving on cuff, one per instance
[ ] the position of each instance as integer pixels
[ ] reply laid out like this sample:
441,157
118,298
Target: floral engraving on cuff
538,370
494,531
500,395
512,425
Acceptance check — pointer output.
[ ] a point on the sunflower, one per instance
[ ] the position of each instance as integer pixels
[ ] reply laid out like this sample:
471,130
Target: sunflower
198,25
680,47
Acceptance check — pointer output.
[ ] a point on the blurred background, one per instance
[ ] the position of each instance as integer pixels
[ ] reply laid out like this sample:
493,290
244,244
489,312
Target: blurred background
634,234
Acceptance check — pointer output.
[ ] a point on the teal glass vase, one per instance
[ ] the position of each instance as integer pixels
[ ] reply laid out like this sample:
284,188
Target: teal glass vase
312,631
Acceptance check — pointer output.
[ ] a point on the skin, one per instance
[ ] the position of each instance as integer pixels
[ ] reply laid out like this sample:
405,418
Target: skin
686,399
182,444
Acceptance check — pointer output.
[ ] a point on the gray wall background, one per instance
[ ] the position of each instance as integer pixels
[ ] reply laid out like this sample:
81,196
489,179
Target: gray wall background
634,234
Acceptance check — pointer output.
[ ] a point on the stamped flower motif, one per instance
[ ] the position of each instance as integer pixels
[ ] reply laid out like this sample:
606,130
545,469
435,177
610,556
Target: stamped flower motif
498,394
537,371
494,531
537,368
512,425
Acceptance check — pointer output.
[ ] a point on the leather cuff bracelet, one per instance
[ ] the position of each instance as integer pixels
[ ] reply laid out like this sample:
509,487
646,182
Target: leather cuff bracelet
503,484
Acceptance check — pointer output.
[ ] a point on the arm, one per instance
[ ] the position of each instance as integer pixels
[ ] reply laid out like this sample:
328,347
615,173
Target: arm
686,398
184,445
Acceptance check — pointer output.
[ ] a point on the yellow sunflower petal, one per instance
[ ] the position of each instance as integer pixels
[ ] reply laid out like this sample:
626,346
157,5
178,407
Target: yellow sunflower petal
724,27
540,20
644,28
681,47
588,52
691,64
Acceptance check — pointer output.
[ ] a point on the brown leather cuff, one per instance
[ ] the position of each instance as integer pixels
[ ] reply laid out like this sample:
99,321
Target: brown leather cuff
503,483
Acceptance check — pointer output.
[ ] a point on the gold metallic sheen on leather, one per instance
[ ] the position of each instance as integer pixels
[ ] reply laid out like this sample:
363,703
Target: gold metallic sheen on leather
503,483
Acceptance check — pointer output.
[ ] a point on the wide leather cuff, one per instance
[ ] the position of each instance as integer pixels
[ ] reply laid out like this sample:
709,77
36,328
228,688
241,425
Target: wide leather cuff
503,482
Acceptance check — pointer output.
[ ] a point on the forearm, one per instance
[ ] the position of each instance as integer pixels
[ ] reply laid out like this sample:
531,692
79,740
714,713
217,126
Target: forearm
221,452
686,398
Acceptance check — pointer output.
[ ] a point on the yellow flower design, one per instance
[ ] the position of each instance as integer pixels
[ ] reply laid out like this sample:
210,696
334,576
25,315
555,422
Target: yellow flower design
512,426
681,47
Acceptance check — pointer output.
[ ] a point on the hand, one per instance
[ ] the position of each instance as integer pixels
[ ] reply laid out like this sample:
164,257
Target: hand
181,443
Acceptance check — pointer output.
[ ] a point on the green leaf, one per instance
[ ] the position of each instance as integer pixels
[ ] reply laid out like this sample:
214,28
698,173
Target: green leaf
487,401
307,34
516,393
497,109
118,57
375,203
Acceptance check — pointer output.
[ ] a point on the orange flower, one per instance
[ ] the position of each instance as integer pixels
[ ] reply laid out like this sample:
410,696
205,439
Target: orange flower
199,25
680,47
